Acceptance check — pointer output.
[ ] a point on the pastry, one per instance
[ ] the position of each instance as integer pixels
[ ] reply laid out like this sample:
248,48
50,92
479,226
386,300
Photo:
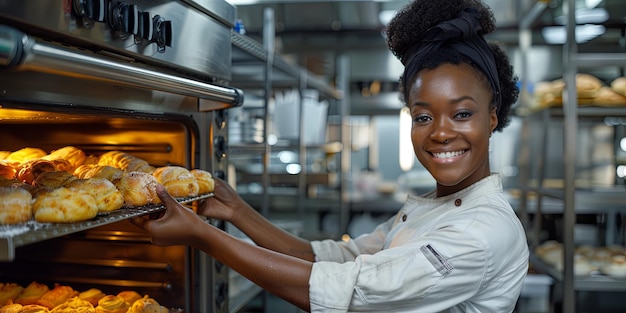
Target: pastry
34,308
108,197
112,304
99,171
125,162
24,155
15,205
147,305
29,170
74,156
619,85
205,181
92,295
8,292
138,189
74,305
177,180
64,205
32,293
56,296
4,154
130,296
7,171
54,179
5,182
11,308
608,97
616,267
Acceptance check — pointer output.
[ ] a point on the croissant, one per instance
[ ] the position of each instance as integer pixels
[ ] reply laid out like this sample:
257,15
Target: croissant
56,296
112,304
177,180
34,308
205,180
108,197
99,171
92,295
54,179
74,156
11,308
125,162
8,292
24,155
32,293
130,296
74,305
29,170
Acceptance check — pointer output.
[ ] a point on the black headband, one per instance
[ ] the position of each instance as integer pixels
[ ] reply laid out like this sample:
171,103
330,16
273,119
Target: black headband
461,34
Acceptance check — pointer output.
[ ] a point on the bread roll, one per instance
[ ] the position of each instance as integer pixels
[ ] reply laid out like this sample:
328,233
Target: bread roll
15,205
8,292
112,304
177,180
29,170
54,179
32,293
64,205
205,181
138,189
92,295
108,197
130,296
125,162
25,155
56,296
74,305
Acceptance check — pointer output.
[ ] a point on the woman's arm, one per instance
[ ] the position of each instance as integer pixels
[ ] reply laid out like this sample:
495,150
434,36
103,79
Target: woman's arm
227,205
280,274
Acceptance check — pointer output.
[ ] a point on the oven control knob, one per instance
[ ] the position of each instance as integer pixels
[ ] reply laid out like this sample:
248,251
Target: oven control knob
162,32
221,146
125,18
146,30
90,11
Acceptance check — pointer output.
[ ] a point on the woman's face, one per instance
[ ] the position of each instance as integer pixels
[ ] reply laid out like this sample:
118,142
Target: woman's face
452,123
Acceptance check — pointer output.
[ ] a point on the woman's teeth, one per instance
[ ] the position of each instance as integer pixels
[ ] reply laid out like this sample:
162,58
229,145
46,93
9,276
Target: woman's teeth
447,155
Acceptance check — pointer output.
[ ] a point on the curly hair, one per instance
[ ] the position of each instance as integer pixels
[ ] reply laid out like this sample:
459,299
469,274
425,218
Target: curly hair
405,29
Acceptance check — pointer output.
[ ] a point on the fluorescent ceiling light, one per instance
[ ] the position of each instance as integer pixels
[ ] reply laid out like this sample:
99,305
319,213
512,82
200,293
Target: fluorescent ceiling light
583,33
586,16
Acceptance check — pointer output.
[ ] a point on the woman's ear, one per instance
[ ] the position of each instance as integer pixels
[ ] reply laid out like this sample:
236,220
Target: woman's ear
493,120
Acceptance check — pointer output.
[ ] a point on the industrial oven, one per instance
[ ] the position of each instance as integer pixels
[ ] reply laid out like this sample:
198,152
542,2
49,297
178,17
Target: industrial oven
147,77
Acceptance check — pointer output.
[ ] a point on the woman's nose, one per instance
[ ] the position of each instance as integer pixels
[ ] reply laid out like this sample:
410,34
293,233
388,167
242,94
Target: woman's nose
442,130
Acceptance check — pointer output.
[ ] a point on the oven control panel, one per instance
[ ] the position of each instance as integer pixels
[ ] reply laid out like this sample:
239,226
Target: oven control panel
125,19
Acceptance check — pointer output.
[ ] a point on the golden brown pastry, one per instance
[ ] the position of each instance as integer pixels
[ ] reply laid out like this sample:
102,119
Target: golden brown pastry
56,296
92,295
34,308
24,155
108,197
15,206
5,182
74,156
130,296
29,170
125,162
7,171
99,171
177,180
138,189
619,85
608,97
32,293
206,184
147,305
112,304
8,292
11,308
74,305
4,154
64,205
54,179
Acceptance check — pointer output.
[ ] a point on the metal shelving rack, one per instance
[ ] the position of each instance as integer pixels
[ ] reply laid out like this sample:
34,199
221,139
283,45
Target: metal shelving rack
571,197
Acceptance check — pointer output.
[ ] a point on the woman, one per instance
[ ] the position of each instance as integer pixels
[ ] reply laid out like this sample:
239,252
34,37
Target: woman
459,248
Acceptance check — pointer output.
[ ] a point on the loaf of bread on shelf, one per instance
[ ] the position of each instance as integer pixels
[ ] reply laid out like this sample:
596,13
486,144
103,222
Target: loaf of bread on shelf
64,205
206,184
177,180
138,189
112,304
57,295
108,197
93,295
15,205
24,155
8,292
73,156
54,179
125,162
32,293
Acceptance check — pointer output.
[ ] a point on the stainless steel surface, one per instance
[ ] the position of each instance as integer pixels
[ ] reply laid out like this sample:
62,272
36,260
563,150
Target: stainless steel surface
199,44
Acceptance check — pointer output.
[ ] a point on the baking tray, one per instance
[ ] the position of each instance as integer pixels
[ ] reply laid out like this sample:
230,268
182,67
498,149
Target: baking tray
14,236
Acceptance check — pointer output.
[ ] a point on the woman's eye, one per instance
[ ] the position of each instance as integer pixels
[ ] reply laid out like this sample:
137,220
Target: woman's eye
463,114
421,118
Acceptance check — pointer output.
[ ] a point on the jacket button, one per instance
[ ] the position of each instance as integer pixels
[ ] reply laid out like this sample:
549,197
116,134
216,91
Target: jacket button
457,202
404,218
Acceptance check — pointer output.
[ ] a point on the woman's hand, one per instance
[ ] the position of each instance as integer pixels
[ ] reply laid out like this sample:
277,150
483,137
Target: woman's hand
224,205
176,225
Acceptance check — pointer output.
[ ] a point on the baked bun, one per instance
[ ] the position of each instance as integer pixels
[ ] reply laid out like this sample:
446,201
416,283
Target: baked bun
11,308
8,292
138,189
7,171
205,181
54,179
34,308
130,296
108,197
92,295
74,305
29,170
56,296
99,171
74,156
24,155
619,85
32,293
15,205
177,180
112,304
147,305
125,162
64,205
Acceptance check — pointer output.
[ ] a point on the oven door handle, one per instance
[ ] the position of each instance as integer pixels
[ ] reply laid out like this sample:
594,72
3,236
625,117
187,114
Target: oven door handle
19,51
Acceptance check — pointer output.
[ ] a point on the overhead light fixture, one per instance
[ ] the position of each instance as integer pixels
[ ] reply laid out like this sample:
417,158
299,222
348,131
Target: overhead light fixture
586,16
405,152
583,33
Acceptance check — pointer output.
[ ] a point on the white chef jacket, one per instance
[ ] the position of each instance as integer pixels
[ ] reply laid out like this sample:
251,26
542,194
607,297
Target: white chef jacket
466,252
